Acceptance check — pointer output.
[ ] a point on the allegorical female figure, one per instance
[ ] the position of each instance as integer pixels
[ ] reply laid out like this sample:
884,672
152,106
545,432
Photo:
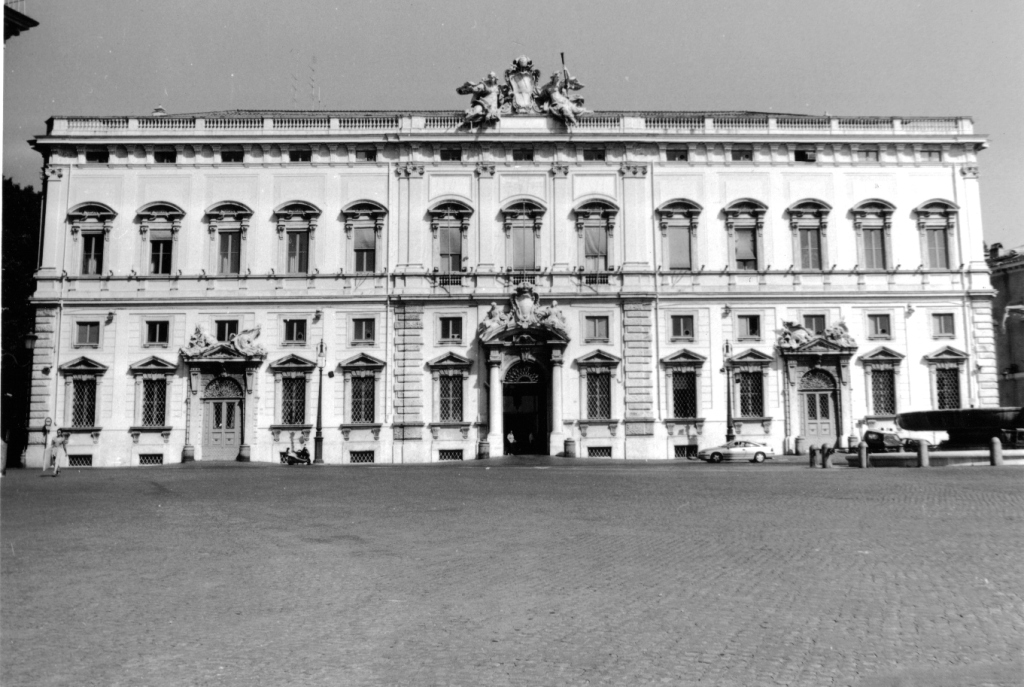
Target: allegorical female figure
485,108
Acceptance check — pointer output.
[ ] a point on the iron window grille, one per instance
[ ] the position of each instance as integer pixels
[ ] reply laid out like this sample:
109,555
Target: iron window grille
151,459
451,398
684,394
523,279
594,279
751,386
947,387
83,408
363,400
449,455
293,400
599,452
685,451
80,461
450,280
361,457
599,395
883,392
154,402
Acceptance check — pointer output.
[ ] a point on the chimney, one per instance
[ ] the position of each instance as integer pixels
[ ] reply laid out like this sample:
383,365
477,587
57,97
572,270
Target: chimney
994,250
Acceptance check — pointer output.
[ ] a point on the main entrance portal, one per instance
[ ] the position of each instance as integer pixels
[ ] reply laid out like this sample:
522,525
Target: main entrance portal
222,419
524,403
818,396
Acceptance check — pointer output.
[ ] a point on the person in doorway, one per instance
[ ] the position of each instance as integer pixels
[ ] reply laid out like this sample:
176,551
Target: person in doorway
53,454
511,440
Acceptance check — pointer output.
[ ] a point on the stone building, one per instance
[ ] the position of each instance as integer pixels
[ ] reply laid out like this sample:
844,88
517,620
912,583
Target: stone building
525,271
1008,281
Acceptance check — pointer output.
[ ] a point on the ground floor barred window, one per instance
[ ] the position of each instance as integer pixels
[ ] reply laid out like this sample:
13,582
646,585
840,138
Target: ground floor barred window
83,410
154,402
363,399
947,388
293,400
883,392
751,393
451,398
599,396
684,394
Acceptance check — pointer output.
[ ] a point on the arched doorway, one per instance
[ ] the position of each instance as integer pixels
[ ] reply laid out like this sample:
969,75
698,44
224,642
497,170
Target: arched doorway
524,403
818,404
222,419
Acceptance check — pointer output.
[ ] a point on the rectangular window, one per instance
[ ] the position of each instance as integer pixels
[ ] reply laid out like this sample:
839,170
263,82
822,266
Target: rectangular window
751,393
230,261
593,154
938,249
746,249
684,394
154,402
97,156
294,331
365,240
92,254
867,154
451,154
810,249
450,237
157,333
804,153
83,404
165,157
362,331
682,328
523,254
599,396
293,400
160,256
874,249
298,252
596,248
947,387
679,248
522,154
942,325
451,329
815,323
362,399
742,153
931,153
87,334
879,327
678,154
232,155
451,398
226,330
749,326
597,329
366,155
300,155
883,392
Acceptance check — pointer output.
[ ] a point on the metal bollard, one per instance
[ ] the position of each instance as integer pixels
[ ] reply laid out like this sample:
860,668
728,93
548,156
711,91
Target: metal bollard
862,454
826,456
995,454
922,454
813,452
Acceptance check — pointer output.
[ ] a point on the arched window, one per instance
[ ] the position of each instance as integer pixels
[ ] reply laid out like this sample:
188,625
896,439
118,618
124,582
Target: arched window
595,226
93,221
449,225
228,224
936,223
159,224
744,221
364,225
678,221
808,221
522,220
296,229
872,220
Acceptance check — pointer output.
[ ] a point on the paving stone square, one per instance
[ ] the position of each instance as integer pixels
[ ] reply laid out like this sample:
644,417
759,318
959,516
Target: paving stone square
513,572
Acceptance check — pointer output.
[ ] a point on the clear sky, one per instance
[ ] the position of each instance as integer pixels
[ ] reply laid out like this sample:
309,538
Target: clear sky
868,57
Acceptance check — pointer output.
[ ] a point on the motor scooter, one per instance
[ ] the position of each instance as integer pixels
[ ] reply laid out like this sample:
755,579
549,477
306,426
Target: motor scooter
293,457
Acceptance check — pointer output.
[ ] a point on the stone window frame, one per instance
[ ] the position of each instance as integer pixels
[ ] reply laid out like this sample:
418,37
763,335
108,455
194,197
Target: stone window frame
935,312
87,319
449,210
598,362
362,365
745,213
227,216
437,327
867,324
750,360
296,216
153,368
942,214
678,214
292,366
677,312
873,213
364,214
684,361
810,214
158,221
597,212
736,314
83,368
614,324
945,358
351,328
675,149
90,218
285,318
146,320
529,211
881,358
449,365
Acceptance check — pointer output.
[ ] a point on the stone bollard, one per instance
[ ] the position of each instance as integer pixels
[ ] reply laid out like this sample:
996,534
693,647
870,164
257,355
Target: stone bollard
826,456
813,452
995,454
922,454
862,454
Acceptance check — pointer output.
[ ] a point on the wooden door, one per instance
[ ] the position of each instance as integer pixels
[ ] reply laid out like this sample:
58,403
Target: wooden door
819,417
222,424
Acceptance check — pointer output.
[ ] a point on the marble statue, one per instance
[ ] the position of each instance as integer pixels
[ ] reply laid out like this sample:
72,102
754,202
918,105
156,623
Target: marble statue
200,342
553,97
793,335
245,343
485,108
524,312
839,333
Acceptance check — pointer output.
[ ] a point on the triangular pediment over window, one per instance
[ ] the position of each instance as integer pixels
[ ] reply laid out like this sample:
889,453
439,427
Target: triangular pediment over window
152,365
598,358
362,362
684,357
882,355
751,356
450,360
291,363
83,366
946,353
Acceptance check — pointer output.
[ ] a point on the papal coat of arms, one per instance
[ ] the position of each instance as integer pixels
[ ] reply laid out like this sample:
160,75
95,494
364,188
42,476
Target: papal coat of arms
521,86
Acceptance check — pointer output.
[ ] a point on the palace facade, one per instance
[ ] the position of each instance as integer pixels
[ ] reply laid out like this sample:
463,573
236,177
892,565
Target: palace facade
628,284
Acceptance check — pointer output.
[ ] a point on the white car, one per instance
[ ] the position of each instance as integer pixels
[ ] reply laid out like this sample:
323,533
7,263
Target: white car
738,449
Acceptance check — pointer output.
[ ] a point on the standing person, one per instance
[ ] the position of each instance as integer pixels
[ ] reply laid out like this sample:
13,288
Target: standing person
511,438
53,454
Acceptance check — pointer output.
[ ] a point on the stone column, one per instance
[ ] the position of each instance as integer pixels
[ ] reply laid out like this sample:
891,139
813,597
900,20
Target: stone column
556,443
494,407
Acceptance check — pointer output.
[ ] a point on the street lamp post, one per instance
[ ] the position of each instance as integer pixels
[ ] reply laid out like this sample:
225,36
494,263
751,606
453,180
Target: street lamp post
726,354
318,439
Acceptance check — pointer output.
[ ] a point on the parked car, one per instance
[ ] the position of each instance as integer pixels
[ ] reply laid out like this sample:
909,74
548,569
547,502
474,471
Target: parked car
739,449
890,442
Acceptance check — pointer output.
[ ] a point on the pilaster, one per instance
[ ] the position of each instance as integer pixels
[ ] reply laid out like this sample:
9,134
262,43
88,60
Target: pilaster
984,353
638,371
408,389
55,211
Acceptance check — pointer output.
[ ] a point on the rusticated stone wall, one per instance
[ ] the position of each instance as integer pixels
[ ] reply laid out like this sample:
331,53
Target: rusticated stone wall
409,374
985,352
639,360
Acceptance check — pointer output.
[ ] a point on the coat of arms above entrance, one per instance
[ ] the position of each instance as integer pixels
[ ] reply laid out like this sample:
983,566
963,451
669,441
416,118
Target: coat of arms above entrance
522,94
524,313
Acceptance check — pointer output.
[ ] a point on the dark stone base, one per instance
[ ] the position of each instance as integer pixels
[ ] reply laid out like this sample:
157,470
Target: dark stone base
188,454
244,453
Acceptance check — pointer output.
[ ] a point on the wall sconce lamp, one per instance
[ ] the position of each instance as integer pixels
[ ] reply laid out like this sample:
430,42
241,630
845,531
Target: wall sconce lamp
110,317
317,315
910,309
726,310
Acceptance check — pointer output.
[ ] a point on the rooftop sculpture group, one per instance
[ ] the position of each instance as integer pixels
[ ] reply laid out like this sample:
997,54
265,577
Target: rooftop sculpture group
523,312
243,344
794,335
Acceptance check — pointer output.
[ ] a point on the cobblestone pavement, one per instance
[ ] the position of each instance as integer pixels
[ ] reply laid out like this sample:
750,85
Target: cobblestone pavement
513,572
